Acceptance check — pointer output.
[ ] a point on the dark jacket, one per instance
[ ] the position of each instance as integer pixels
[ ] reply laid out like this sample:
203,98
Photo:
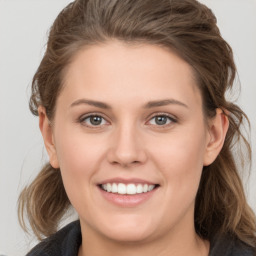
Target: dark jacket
67,241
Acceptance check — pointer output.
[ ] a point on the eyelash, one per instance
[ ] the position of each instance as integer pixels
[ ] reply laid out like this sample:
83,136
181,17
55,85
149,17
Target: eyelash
171,119
82,120
91,115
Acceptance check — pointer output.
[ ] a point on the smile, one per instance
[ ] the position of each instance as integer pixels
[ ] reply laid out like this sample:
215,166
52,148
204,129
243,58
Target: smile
127,189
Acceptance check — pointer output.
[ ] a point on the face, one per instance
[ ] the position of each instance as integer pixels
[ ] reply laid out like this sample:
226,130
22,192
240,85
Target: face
131,140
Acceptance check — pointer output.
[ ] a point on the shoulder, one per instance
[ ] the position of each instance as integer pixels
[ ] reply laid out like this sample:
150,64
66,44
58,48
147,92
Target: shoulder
67,240
230,246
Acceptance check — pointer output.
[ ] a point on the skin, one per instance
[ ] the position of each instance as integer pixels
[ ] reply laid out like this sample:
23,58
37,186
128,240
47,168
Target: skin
130,144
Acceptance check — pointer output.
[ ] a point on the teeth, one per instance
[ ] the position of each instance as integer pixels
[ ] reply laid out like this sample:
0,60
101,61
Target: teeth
130,189
109,188
114,188
121,189
150,187
139,189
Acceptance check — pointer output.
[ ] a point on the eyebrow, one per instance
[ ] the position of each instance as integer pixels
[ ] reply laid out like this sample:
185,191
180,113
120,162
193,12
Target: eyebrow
160,103
150,104
94,103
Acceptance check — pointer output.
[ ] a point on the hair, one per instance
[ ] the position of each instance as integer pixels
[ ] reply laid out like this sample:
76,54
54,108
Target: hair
187,28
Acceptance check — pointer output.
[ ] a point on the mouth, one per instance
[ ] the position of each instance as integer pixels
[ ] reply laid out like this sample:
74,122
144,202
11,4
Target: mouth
127,189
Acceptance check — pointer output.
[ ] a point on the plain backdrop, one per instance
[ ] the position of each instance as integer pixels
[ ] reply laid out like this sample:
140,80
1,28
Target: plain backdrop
23,33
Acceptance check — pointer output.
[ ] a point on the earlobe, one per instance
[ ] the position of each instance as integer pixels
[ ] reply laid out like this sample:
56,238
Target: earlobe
218,127
46,131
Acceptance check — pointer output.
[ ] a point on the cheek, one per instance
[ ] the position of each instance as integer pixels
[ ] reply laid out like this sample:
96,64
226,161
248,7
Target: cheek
76,151
180,159
79,157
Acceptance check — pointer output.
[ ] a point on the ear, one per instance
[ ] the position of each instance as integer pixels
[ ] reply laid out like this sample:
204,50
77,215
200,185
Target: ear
218,127
47,133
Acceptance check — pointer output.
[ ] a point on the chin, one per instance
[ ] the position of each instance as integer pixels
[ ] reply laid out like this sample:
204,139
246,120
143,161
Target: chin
128,231
128,236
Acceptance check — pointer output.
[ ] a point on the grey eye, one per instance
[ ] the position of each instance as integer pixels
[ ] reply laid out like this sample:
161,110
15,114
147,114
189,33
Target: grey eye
161,120
94,120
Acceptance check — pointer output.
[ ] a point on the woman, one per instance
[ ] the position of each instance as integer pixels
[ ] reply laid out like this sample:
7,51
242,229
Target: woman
131,103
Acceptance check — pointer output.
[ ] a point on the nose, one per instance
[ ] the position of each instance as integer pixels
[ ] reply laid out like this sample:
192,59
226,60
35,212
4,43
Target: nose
127,148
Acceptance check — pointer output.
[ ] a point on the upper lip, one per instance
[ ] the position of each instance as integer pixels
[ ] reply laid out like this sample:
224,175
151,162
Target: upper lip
127,181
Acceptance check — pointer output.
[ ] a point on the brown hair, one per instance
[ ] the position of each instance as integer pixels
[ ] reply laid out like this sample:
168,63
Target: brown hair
186,27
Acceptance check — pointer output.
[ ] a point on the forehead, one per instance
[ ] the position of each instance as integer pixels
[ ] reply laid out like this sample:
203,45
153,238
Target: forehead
134,71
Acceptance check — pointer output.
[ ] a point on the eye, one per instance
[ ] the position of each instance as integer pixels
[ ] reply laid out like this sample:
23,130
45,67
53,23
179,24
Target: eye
93,120
161,120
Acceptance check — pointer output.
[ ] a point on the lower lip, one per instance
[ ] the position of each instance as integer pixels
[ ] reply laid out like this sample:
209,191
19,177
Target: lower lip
127,200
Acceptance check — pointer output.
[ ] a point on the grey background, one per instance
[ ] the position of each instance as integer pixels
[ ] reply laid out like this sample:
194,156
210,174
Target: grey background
23,33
